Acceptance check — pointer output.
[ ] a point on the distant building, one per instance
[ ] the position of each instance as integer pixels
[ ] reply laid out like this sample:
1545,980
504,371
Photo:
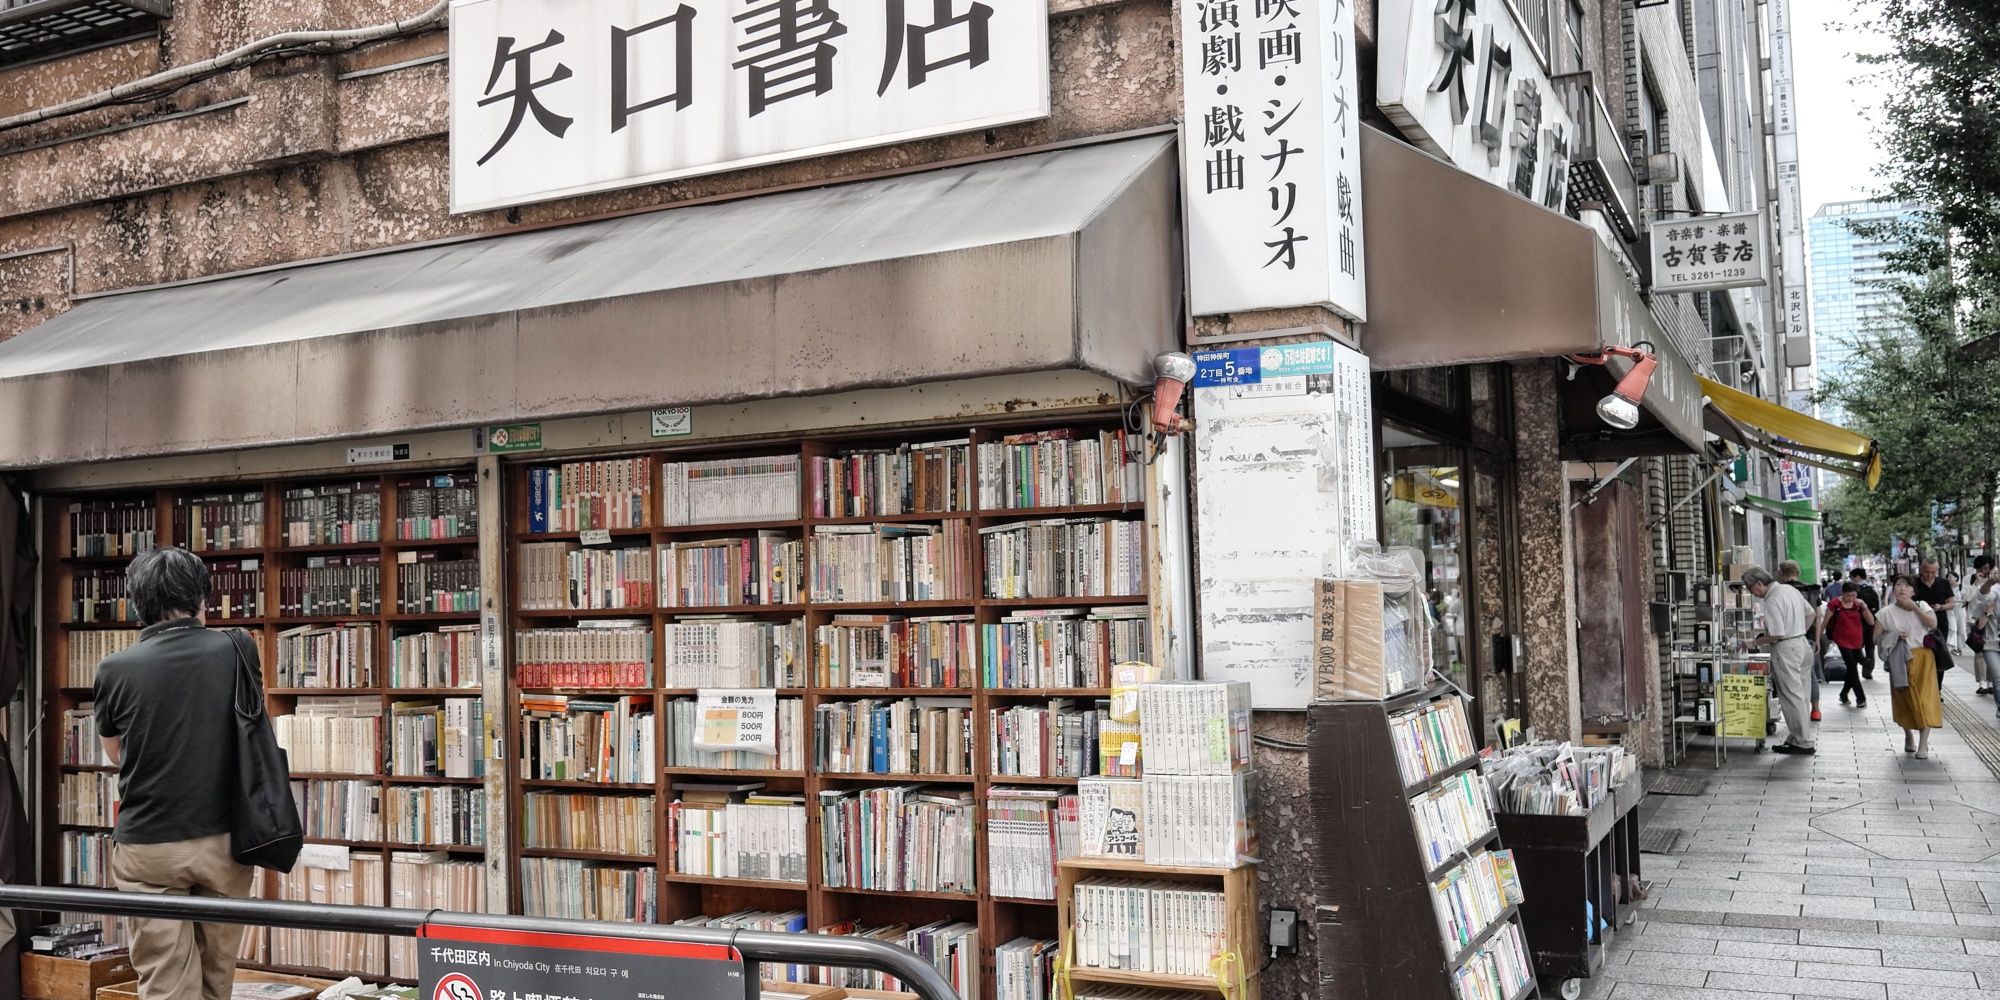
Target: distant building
1851,300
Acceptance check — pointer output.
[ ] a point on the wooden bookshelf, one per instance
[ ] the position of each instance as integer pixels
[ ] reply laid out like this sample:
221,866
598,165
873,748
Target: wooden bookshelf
1241,932
999,919
273,557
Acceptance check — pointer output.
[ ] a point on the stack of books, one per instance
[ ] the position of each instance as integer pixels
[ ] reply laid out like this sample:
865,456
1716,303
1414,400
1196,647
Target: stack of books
596,654
604,740
339,952
88,798
430,880
589,890
898,838
236,588
438,739
556,576
901,736
584,496
858,650
1060,648
1499,970
97,594
331,585
1452,817
86,858
333,735
730,490
436,815
99,528
220,521
337,514
82,940
426,584
444,658
861,563
791,755
80,744
1025,969
326,657
765,568
1058,739
1148,926
89,648
574,821
907,479
441,506
718,651
1472,895
1431,739
1065,557
737,831
340,810
1027,831
1060,468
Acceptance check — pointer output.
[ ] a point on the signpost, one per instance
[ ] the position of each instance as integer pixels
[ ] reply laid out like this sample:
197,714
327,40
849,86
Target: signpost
456,962
1709,252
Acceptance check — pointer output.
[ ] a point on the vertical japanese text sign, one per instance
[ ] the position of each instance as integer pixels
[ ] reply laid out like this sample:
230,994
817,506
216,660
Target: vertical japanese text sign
555,98
1271,156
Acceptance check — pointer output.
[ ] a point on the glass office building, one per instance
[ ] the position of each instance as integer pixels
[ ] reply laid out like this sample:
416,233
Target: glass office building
1851,304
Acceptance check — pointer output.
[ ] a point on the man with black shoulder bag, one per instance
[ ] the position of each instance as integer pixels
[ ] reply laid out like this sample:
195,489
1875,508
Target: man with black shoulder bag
181,714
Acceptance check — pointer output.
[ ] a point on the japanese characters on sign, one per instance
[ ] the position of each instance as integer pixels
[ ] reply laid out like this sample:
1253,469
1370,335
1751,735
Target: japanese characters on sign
1709,252
479,963
1271,156
1795,480
1461,79
553,98
733,719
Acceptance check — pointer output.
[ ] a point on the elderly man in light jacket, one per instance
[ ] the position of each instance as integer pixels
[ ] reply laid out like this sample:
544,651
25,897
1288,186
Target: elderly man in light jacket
1787,623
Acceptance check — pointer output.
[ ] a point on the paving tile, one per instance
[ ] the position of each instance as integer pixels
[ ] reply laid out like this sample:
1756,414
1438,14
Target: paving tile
1717,932
1801,953
1800,923
1715,963
1799,987
1642,991
1887,974
1673,945
1901,991
1948,943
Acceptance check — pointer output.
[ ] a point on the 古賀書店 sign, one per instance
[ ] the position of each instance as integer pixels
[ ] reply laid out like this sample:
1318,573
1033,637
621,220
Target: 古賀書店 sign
555,98
1707,253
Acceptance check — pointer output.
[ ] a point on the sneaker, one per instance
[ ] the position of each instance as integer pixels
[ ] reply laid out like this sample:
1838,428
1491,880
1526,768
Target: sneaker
1923,755
1843,699
1793,748
1861,703
1815,715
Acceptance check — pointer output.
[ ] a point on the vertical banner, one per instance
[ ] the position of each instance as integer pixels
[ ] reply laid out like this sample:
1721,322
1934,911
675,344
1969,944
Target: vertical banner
1271,156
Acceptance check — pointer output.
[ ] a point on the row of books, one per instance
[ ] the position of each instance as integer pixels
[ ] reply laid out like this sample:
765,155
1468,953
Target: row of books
906,479
605,740
900,736
86,858
430,880
737,831
1472,895
1060,468
886,651
1201,820
79,737
1431,739
235,588
590,495
88,798
335,514
772,921
98,595
331,585
437,815
1141,925
335,735
88,648
1555,778
576,821
595,654
1060,648
562,575
1195,727
1025,969
1498,970
589,890
1058,739
724,652
83,939
429,585
340,810
340,656
440,506
1452,817
730,490
1028,830
1065,557
361,883
438,739
100,528
891,562
446,658
898,838
948,945
220,521
765,568
791,755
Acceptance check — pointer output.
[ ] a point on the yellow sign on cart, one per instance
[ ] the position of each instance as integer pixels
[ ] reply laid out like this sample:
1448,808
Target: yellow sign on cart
1745,706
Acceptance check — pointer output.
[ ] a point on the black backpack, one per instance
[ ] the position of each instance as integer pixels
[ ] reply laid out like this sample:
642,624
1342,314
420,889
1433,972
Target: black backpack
264,829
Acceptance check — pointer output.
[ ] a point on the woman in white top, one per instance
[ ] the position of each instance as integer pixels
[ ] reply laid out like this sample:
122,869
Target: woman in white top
1900,628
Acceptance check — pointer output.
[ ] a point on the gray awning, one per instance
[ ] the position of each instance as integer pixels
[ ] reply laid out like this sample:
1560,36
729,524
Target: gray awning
1066,259
1461,271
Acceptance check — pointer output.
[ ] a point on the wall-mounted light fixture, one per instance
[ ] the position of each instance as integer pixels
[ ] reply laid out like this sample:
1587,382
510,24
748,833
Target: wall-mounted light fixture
1621,408
1171,374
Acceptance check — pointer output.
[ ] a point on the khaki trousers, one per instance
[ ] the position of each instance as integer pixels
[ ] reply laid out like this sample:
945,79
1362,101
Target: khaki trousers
176,960
1792,681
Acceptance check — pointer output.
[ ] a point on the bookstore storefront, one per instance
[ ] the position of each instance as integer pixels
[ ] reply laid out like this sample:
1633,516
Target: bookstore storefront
569,478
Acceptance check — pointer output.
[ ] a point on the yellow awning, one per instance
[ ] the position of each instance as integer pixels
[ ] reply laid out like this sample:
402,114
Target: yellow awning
1788,433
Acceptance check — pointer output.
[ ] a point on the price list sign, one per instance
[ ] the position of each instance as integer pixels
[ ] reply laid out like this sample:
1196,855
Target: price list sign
483,963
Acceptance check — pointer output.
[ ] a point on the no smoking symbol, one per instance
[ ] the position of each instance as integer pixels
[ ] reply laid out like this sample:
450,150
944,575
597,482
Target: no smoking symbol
457,986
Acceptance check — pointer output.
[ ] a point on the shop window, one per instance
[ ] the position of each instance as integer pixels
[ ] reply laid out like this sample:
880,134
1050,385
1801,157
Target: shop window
1422,488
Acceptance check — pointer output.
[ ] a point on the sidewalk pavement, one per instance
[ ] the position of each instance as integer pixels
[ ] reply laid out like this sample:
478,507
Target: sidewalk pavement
1857,872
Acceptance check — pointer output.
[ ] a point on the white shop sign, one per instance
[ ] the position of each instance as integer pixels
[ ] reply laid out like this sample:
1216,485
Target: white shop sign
1271,156
1708,253
555,98
1461,80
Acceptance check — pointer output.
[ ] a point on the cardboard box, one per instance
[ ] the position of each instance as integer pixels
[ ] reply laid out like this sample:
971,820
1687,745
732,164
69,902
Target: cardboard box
258,981
46,977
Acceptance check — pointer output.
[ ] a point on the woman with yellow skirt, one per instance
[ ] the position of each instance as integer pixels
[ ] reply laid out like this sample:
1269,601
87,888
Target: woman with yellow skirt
1913,678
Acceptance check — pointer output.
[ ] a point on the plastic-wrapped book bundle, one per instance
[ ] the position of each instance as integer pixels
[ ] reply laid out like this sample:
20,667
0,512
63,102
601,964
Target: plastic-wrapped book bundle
1372,631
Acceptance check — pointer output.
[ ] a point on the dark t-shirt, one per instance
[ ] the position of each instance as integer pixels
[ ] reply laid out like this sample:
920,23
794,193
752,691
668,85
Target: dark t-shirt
171,698
1934,593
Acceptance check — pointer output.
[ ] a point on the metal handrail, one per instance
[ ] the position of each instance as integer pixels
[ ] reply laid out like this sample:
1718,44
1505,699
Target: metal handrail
917,975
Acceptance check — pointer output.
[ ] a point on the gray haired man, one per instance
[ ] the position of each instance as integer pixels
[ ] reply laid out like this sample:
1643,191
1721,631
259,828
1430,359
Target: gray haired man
1787,622
166,714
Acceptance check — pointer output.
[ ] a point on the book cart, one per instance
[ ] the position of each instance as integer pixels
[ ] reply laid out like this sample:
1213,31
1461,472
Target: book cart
1722,688
1578,874
1391,935
334,577
1234,977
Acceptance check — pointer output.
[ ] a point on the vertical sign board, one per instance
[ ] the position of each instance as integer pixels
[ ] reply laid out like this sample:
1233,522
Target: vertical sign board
1745,706
1271,156
1791,208
1284,437
1795,479
1460,79
557,98
483,963
1709,253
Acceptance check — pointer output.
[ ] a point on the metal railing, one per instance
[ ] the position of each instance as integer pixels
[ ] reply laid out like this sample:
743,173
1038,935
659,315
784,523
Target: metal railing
917,975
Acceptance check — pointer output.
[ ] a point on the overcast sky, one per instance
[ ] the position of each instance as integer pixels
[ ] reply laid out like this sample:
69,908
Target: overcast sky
1838,157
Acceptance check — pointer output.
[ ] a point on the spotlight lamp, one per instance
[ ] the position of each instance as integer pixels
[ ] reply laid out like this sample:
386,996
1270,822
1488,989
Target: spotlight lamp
1171,374
1620,409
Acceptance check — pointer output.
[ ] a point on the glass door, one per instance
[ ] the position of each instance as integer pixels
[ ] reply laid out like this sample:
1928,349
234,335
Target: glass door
1422,491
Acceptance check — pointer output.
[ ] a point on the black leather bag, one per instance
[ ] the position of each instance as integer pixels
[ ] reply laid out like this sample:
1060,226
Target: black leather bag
265,829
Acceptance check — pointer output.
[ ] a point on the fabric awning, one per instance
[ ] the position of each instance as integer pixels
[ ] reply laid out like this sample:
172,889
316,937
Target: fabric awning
1066,259
1789,434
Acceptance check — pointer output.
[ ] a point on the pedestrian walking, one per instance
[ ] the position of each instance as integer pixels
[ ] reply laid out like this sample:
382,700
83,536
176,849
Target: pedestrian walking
1905,625
1858,581
1962,594
1981,595
1936,592
1788,574
1788,622
166,716
1844,623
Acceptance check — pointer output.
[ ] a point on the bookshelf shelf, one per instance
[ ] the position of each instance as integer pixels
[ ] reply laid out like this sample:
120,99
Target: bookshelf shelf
602,691
417,617
897,692
917,517
337,775
571,536
82,768
1024,779
685,610
1489,839
574,784
871,778
1062,602
721,772
676,530
1240,929
1033,513
328,548
1504,919
458,692
1126,977
572,855
1017,901
1047,692
955,897
359,618
81,626
429,779
1431,781
430,543
743,883
95,560
542,614
839,606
